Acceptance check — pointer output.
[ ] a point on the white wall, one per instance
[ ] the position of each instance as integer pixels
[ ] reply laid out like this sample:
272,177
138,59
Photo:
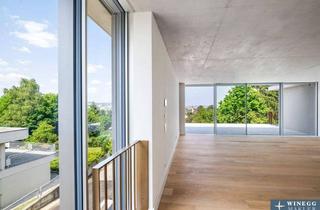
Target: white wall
299,105
165,117
22,182
151,82
140,77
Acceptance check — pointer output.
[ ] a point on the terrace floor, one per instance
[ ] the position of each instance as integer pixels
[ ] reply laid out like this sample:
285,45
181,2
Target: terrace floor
240,129
241,173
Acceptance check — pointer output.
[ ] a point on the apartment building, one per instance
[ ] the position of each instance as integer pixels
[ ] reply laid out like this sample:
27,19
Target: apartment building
23,169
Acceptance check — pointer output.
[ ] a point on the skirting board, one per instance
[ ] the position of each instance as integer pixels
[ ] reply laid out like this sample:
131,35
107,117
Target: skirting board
165,178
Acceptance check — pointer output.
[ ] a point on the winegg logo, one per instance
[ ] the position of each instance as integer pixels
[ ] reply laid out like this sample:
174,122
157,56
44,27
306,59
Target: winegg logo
279,206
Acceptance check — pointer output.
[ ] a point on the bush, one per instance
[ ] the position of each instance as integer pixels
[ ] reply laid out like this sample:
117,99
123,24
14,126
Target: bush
94,155
104,141
44,134
54,164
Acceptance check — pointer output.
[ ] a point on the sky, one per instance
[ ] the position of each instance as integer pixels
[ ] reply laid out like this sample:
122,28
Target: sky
203,95
29,48
99,64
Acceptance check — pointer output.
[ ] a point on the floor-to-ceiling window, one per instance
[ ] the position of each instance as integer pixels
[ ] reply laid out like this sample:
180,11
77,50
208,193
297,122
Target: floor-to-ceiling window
252,109
92,91
263,109
99,92
199,109
231,109
300,109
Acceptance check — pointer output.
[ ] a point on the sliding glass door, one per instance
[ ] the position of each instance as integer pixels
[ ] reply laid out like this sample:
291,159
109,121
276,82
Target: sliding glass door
263,109
300,109
199,109
231,109
252,109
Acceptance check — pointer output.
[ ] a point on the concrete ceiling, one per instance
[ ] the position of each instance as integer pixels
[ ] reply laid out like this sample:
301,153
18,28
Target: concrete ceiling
240,40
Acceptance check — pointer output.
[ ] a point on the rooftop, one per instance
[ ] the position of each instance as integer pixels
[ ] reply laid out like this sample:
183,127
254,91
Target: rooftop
8,134
19,158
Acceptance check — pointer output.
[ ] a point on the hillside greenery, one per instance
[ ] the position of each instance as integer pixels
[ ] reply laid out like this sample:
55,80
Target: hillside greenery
25,106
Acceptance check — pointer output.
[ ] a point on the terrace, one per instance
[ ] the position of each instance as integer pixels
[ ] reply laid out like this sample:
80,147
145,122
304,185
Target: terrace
239,129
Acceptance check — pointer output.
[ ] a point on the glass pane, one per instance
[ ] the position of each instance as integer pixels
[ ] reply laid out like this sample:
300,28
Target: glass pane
299,109
263,109
199,103
28,103
99,93
231,110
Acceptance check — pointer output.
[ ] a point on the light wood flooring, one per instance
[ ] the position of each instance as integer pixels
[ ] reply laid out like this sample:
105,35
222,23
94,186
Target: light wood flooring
241,173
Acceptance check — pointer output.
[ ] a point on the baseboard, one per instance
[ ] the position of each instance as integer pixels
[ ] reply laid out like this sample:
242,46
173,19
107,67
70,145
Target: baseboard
157,203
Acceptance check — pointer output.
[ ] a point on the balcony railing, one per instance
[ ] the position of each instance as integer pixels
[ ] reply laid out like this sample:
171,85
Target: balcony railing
124,174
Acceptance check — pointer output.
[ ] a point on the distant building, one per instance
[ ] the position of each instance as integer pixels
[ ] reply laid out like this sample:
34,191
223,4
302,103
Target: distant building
23,167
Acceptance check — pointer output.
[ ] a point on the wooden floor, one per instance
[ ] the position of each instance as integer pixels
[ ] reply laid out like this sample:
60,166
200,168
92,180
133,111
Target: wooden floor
241,173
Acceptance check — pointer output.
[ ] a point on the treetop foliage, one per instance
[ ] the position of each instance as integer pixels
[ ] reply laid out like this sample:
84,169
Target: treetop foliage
25,106
254,104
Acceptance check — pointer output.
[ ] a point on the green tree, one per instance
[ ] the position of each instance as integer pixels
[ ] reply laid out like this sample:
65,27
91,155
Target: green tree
25,106
19,104
99,124
232,108
44,134
93,113
105,121
257,108
47,109
201,115
251,104
271,98
97,115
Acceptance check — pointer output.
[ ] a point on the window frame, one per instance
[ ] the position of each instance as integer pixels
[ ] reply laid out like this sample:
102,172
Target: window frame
280,105
73,95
